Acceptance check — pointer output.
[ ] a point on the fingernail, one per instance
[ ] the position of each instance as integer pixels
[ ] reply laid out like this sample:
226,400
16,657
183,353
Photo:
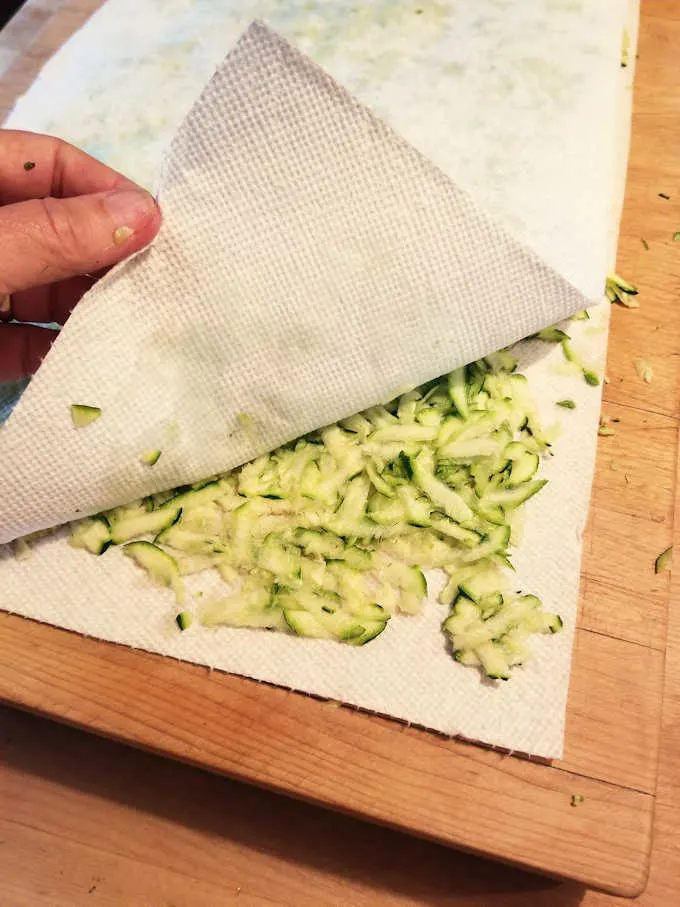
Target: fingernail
130,209
5,304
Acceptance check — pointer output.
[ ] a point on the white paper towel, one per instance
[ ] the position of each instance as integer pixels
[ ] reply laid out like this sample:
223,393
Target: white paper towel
110,600
310,264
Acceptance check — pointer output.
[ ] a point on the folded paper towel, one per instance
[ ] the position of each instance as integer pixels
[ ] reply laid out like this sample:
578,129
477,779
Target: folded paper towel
311,263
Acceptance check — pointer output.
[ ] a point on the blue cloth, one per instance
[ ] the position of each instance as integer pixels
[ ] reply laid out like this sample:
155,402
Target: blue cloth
9,395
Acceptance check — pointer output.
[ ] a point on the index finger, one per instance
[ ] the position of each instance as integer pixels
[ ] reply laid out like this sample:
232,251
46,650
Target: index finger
36,166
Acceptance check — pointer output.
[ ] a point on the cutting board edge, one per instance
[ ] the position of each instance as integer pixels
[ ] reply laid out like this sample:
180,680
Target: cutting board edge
69,711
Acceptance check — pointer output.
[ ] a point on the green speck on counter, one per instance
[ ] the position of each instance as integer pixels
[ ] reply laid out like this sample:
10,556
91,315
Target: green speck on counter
676,236
29,165
663,195
577,799
664,561
644,243
643,369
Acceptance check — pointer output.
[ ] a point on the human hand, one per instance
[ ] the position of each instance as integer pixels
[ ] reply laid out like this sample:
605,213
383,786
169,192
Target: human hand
65,219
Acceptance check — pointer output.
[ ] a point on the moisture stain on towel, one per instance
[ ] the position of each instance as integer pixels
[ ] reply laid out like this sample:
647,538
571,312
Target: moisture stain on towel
198,403
421,65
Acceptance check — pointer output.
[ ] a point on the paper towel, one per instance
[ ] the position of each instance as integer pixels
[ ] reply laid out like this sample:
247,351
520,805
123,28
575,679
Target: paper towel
310,264
108,598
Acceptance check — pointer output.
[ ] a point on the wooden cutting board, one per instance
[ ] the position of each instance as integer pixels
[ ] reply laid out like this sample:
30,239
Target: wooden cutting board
463,795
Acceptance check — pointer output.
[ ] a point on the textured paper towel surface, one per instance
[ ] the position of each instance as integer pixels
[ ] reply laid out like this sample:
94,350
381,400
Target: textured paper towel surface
107,598
309,265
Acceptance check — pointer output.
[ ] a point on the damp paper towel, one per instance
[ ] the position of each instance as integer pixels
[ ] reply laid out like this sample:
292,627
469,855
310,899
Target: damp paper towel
310,264
227,303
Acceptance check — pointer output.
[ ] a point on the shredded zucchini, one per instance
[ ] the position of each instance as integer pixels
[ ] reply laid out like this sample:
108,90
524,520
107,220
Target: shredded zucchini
589,375
82,414
644,370
664,561
552,335
21,549
619,290
328,537
184,620
150,457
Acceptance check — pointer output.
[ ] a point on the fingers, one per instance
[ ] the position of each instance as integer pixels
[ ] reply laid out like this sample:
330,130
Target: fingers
52,239
65,215
36,166
54,302
22,349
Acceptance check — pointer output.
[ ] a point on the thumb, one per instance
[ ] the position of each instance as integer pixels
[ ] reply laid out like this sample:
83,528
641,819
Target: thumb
45,240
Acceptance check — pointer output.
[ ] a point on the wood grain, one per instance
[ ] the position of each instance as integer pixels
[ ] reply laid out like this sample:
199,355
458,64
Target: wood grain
67,17
440,789
91,822
614,709
631,521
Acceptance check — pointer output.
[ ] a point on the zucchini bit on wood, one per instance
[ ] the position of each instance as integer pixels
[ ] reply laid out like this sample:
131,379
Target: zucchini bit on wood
328,536
619,290
605,428
664,561
644,370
